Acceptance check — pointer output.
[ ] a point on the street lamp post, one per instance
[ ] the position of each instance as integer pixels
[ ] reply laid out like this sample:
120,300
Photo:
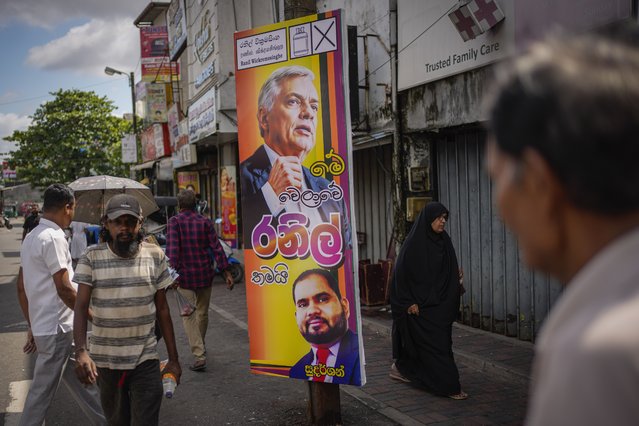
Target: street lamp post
111,71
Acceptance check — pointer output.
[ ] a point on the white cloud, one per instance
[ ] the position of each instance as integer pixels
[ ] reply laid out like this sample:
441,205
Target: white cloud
88,48
8,124
50,13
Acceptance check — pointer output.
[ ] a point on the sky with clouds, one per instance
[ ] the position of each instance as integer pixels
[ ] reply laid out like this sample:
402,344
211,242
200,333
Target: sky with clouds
49,45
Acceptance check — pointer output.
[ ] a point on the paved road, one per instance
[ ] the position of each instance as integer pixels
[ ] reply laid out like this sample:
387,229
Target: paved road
494,371
226,394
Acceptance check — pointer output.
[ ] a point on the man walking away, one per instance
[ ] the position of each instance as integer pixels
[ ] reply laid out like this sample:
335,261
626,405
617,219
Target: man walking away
47,296
190,239
32,220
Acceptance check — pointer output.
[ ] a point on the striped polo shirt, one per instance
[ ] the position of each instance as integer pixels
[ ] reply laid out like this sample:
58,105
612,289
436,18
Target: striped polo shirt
123,303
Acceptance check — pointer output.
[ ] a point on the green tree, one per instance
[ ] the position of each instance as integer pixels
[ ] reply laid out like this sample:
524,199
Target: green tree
72,136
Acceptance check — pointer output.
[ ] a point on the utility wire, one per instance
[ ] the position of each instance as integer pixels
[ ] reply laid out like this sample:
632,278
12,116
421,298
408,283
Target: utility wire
110,81
411,42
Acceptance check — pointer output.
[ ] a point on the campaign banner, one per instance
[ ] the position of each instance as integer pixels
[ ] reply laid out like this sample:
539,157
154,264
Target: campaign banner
296,186
228,206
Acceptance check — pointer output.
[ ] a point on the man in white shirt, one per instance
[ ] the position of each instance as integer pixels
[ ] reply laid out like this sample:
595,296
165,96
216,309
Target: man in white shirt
563,157
47,297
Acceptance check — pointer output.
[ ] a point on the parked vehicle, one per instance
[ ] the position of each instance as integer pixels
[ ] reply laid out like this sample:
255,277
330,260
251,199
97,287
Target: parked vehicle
235,266
10,210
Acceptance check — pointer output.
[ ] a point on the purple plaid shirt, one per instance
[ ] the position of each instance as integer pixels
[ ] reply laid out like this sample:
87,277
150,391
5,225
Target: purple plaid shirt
190,235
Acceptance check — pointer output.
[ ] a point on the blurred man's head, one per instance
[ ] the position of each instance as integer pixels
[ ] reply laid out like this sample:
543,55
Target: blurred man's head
187,199
321,311
59,204
564,121
288,105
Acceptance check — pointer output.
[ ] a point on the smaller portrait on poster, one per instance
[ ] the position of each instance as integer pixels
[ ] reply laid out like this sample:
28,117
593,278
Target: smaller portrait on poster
322,314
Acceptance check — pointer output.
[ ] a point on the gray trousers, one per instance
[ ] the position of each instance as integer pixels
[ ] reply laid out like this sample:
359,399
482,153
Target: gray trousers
54,364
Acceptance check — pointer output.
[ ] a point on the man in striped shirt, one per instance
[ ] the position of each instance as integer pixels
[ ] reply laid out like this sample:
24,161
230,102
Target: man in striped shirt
123,280
190,241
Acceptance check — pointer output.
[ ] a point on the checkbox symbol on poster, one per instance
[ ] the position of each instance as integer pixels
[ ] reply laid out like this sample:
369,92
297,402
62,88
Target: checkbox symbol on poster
324,35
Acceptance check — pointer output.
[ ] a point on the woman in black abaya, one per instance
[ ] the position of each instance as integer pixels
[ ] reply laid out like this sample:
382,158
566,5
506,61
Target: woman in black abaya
425,300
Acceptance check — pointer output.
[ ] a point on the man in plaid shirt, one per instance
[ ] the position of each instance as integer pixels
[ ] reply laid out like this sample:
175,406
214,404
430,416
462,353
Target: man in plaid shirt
191,237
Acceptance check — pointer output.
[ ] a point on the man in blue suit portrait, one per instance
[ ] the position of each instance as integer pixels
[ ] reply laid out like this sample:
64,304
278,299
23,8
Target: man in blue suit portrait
287,115
322,318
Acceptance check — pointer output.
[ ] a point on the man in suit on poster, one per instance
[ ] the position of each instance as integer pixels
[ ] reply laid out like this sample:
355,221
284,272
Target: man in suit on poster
322,318
288,108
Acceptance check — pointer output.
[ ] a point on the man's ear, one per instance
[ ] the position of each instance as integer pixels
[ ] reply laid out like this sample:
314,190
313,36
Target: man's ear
262,119
346,306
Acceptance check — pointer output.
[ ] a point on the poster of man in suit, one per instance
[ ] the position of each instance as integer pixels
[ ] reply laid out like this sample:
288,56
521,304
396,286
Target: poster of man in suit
295,176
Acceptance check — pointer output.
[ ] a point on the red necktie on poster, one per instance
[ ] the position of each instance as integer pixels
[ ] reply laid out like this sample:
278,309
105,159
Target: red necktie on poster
322,357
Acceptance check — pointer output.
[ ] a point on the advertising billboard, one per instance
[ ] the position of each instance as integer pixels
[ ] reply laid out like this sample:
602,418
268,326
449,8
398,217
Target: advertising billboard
296,187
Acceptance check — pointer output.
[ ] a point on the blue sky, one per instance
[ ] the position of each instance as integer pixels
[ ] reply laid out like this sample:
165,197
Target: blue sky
49,45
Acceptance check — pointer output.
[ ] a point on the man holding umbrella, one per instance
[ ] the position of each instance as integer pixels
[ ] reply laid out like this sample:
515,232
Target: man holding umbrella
123,279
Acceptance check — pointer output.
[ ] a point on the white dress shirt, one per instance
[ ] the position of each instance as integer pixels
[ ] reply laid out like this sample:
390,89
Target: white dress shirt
44,252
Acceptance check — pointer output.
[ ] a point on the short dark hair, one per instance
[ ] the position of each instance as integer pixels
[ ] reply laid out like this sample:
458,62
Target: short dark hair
575,100
57,196
329,276
186,199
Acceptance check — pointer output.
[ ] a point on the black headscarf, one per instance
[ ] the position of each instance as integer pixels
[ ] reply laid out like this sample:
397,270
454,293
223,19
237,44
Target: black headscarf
426,265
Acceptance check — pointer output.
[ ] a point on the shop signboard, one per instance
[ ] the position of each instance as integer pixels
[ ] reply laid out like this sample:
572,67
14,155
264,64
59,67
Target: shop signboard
176,18
154,55
202,119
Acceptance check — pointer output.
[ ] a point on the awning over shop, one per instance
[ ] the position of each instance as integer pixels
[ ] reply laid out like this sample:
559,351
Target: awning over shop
368,140
143,166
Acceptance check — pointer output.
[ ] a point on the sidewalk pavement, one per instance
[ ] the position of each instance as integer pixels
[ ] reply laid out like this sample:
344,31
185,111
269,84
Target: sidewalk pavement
493,369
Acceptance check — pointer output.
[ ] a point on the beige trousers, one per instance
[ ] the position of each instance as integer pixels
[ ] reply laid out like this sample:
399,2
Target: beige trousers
195,325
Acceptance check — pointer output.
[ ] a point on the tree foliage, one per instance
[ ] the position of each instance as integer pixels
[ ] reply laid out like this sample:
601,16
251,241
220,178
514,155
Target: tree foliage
72,136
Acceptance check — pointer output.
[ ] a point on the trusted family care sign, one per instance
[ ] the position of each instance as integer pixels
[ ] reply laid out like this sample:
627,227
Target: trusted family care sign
296,185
